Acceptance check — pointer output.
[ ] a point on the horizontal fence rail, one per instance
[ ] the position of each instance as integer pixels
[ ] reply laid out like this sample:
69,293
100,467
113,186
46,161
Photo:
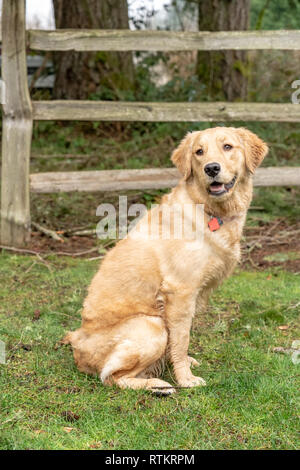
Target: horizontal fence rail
174,112
153,178
126,40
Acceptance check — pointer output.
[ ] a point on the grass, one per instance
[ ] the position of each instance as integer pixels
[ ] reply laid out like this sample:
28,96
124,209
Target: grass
250,401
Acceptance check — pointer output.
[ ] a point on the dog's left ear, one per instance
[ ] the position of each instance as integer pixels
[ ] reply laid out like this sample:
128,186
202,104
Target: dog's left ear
182,156
255,149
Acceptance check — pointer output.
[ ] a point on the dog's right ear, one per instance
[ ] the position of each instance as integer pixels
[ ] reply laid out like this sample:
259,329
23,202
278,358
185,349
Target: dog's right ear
182,156
255,148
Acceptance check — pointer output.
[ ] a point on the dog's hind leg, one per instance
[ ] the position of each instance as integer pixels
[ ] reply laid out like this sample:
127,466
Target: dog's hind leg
142,341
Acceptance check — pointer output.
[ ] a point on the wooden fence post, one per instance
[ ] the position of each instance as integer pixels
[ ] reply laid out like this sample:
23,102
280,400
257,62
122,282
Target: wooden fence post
16,127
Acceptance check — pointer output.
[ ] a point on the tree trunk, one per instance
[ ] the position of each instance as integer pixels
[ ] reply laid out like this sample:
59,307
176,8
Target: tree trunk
78,74
224,73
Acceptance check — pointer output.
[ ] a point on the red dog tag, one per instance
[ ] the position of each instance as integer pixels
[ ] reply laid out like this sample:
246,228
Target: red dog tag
215,223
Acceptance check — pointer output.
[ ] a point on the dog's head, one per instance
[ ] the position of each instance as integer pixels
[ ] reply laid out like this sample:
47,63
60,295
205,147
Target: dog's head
219,158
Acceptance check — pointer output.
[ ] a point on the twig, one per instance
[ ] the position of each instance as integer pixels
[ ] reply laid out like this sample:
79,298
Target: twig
109,243
48,232
74,229
293,306
251,246
282,350
43,261
39,71
37,253
256,239
79,253
19,250
282,234
82,233
30,267
278,242
251,261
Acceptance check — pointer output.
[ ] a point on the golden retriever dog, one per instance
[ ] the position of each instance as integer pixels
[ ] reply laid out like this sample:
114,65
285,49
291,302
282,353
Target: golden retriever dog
141,302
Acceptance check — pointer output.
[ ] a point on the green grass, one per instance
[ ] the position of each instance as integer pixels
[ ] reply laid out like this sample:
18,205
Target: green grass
250,401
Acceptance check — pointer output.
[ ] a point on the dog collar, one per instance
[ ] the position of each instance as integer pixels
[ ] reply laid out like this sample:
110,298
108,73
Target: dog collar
215,223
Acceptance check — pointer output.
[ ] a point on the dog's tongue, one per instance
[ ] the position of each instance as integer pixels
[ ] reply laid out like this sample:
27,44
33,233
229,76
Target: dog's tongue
216,187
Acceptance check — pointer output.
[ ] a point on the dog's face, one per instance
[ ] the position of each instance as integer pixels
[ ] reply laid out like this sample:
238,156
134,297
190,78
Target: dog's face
219,158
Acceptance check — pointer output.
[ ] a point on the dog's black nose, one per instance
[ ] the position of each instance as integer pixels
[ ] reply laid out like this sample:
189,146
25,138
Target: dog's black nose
212,169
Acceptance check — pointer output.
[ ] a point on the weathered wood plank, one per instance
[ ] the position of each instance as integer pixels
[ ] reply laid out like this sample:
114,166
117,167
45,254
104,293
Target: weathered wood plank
126,40
277,176
17,127
106,180
172,112
153,178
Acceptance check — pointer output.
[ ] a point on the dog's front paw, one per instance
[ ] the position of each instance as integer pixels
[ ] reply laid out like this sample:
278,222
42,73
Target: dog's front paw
193,362
192,381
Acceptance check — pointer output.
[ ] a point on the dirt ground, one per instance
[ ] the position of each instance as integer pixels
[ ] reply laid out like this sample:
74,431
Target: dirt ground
272,244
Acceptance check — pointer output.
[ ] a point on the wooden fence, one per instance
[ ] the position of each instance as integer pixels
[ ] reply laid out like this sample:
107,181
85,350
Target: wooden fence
34,64
19,111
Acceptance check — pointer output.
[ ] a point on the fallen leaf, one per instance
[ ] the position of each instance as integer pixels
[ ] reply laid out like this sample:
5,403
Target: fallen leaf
39,431
95,445
36,315
283,327
269,277
67,429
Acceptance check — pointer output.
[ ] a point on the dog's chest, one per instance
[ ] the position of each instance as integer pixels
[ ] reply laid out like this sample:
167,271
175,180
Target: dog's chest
213,257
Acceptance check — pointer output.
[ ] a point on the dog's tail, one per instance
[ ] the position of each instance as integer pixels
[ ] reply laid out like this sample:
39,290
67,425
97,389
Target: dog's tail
115,363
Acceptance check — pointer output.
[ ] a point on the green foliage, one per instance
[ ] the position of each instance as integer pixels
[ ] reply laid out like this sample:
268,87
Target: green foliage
176,89
278,202
275,14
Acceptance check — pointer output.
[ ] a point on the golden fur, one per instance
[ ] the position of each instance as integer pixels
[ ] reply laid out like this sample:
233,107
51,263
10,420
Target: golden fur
141,302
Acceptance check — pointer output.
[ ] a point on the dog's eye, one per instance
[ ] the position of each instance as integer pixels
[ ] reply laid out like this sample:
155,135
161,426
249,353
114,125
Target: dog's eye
199,152
227,147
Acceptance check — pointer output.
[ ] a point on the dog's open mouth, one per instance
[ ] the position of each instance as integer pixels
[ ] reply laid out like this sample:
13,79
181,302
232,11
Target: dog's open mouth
217,189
